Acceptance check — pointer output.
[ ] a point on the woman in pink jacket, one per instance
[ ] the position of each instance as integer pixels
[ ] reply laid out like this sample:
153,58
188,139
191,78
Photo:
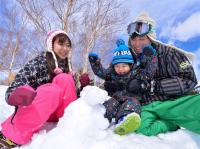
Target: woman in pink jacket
41,91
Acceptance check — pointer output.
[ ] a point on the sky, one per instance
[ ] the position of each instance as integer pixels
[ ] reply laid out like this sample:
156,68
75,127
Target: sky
177,22
83,126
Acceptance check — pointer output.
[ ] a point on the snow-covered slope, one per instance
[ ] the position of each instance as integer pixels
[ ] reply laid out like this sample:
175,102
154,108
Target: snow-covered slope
84,127
5,110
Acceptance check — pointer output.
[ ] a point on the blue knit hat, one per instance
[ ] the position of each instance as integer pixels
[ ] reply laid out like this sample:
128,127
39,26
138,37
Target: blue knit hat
122,53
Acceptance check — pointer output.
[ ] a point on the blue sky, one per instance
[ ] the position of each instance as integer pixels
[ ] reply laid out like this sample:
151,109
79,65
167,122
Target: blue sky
178,22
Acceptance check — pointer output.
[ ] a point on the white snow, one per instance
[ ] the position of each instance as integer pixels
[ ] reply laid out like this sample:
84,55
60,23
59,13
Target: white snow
84,127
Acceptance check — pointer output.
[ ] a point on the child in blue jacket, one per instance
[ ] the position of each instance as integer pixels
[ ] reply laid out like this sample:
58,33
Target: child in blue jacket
124,106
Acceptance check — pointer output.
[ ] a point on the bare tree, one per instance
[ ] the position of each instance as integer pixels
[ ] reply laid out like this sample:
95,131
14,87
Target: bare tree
49,14
102,21
92,24
12,32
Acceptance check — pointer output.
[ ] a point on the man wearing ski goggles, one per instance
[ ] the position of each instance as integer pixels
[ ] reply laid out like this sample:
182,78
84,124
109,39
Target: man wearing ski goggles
167,83
139,28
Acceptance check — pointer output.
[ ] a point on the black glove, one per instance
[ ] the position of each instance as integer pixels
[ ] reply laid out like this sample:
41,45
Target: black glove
113,86
93,57
147,56
138,86
134,86
149,63
148,51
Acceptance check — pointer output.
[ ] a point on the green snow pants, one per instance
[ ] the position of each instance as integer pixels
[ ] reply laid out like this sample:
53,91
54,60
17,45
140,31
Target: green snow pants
160,117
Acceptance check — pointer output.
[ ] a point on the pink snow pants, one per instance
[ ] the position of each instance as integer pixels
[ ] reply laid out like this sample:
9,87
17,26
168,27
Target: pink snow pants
48,105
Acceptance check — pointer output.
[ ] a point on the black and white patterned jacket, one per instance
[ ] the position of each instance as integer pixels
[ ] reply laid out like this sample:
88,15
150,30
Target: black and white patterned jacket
175,75
34,73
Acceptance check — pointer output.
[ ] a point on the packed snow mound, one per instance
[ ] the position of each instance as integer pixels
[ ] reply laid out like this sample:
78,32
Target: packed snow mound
5,109
89,95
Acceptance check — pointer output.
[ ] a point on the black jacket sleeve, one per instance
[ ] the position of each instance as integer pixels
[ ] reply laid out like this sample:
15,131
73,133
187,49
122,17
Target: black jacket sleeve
100,71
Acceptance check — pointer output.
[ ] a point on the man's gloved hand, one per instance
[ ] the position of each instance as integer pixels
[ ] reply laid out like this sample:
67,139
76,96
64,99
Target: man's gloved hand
93,57
22,96
134,86
113,86
138,86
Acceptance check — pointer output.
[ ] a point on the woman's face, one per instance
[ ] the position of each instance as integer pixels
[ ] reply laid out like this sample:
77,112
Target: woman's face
139,42
122,68
61,49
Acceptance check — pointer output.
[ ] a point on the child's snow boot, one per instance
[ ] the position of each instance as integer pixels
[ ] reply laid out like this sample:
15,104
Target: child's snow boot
128,124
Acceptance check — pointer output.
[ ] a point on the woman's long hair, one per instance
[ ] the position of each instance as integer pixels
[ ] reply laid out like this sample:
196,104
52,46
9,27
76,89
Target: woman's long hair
62,38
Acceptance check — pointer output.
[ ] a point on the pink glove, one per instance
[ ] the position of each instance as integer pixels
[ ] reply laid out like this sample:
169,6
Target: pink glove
84,80
22,96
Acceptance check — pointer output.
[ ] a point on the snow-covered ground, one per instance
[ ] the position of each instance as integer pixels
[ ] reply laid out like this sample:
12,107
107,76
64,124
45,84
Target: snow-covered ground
84,127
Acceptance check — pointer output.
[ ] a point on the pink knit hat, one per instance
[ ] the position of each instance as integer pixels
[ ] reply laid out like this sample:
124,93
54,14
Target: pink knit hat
50,37
49,44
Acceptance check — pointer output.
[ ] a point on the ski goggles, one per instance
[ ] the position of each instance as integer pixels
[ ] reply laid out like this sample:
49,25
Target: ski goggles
140,28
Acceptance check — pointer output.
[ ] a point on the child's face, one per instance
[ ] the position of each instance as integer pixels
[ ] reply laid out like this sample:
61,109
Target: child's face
122,68
61,49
